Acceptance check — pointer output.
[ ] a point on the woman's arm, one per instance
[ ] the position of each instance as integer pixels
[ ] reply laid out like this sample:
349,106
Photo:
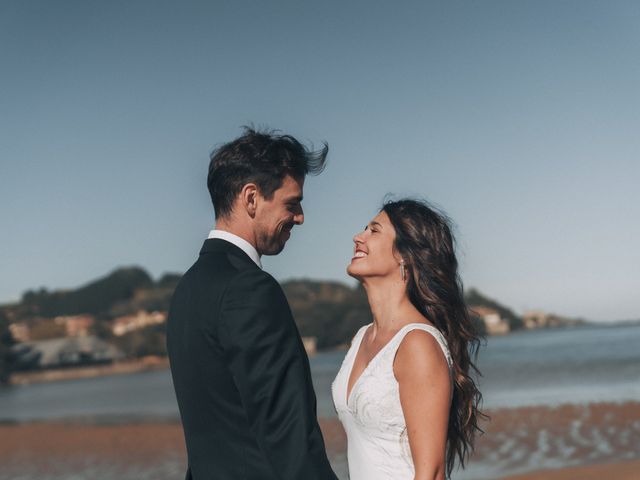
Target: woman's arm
421,370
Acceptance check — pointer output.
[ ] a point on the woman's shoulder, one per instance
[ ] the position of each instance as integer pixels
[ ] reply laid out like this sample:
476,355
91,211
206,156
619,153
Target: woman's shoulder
412,330
422,346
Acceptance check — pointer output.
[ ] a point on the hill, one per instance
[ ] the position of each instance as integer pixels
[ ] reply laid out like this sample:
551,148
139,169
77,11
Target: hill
474,298
94,298
328,310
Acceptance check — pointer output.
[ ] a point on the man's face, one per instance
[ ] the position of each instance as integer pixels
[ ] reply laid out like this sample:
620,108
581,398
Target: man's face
276,217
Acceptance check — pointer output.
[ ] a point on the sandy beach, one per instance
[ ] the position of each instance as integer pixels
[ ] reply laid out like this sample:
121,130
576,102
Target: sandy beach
617,471
589,441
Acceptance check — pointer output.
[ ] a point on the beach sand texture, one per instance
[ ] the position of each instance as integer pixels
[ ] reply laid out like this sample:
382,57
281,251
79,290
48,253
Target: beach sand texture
610,471
593,441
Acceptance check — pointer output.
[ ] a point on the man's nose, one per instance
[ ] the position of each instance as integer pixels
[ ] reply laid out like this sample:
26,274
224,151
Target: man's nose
298,218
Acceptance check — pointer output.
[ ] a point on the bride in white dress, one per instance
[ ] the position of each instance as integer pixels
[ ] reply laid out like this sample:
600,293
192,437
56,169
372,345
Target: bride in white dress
404,392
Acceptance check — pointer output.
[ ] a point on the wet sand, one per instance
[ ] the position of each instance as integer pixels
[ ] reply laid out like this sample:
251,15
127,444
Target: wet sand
538,438
587,441
617,471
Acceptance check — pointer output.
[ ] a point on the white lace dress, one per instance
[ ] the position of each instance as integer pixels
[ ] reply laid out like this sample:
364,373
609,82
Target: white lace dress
377,443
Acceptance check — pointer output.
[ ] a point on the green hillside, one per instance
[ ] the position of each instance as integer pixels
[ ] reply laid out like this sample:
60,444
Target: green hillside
95,298
330,311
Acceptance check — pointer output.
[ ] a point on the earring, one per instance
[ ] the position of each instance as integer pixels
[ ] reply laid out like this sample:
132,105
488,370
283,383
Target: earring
403,271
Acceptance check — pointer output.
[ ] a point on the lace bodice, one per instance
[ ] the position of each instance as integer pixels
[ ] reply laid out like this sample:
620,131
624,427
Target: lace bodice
377,443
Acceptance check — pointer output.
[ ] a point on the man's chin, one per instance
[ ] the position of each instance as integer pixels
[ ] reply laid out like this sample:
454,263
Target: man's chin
273,249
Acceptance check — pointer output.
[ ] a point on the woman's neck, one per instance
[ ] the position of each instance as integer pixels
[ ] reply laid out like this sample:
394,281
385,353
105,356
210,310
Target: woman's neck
390,306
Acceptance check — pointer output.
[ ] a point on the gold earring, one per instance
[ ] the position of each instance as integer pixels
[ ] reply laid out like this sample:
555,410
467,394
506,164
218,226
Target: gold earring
403,271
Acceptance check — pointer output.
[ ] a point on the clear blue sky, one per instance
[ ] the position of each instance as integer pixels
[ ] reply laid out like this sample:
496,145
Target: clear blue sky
520,119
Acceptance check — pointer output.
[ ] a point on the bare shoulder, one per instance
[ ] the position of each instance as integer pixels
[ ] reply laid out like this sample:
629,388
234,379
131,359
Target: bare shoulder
420,354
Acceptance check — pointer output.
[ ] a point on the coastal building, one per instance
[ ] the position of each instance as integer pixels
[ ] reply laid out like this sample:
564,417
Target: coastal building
535,319
493,322
310,345
129,323
539,319
20,331
76,325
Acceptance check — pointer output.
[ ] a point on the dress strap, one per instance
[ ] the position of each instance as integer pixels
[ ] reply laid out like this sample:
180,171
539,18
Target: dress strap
361,330
357,338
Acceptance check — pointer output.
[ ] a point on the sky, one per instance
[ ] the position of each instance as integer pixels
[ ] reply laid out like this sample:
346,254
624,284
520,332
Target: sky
519,119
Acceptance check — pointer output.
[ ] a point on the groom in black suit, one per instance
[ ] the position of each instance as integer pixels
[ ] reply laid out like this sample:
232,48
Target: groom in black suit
239,368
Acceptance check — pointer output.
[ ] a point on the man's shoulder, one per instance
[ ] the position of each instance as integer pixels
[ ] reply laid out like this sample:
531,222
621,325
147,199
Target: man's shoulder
253,281
230,271
255,288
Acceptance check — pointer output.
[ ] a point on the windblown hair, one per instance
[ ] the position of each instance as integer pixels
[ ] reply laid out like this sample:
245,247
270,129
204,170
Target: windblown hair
425,242
260,157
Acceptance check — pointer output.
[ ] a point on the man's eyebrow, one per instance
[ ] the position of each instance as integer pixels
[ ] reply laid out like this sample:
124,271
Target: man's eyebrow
374,223
295,199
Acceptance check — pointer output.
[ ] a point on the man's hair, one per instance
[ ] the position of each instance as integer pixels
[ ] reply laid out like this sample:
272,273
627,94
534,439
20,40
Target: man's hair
260,157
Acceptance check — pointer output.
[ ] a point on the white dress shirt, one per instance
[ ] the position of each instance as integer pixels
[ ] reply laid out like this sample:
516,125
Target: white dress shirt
239,242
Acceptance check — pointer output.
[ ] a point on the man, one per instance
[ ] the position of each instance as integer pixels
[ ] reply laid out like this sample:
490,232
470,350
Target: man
239,368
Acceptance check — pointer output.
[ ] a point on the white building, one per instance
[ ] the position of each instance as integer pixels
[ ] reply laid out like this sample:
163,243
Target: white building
494,323
129,323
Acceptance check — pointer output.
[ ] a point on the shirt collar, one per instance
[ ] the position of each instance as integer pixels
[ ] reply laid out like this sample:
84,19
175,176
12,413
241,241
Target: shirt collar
239,242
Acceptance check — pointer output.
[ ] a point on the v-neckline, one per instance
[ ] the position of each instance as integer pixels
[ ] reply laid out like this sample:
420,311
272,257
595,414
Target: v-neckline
355,384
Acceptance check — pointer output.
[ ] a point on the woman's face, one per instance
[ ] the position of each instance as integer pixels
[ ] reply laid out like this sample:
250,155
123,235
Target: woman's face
373,254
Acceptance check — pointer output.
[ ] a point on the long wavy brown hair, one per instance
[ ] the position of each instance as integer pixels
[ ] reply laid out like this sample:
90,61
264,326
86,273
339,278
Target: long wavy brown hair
425,242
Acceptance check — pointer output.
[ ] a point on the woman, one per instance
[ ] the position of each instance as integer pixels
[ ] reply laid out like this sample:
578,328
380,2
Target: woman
404,392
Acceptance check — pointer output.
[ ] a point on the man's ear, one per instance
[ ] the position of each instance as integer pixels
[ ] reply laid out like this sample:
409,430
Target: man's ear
249,198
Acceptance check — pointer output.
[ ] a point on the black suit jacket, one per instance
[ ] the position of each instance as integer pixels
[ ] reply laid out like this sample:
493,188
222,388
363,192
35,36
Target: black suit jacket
241,374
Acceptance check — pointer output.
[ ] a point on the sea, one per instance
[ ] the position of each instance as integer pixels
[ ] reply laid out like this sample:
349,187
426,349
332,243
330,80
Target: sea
576,365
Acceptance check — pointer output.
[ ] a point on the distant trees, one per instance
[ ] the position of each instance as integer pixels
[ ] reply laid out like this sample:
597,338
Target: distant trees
124,291
93,298
330,311
6,342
